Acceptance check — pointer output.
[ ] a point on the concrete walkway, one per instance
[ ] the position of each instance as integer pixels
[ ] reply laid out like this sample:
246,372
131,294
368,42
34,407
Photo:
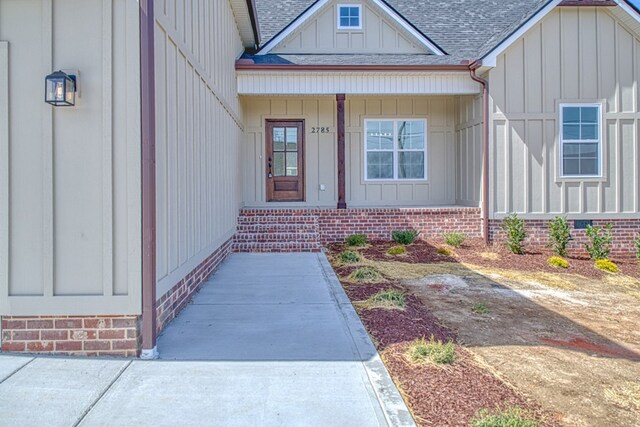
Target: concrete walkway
271,340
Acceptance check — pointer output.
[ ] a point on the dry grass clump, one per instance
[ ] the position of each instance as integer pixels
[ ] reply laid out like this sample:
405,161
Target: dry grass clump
630,285
388,299
365,275
445,251
510,417
492,256
406,271
433,351
397,250
626,396
551,280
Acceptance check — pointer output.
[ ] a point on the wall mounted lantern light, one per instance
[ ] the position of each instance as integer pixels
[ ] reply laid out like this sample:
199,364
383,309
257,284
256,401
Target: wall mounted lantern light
60,89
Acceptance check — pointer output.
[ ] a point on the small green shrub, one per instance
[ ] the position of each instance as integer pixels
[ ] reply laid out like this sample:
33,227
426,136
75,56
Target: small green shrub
389,299
356,240
636,243
366,274
454,239
350,257
404,237
606,265
511,417
516,233
480,308
444,251
600,239
559,235
433,351
397,250
556,261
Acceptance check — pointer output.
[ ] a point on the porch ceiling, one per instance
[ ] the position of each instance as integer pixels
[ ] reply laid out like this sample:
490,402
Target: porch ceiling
279,82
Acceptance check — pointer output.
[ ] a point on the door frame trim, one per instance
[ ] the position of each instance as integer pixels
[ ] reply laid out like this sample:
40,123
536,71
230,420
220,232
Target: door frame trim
302,175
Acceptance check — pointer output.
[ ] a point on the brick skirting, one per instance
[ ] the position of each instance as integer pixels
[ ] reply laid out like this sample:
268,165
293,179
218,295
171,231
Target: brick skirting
170,304
72,335
294,230
624,232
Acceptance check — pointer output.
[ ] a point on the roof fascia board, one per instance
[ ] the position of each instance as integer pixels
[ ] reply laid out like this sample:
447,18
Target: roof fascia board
402,21
631,10
300,20
491,58
294,25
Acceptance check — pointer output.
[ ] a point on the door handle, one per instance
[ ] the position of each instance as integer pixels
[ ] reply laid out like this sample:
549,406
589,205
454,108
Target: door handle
270,169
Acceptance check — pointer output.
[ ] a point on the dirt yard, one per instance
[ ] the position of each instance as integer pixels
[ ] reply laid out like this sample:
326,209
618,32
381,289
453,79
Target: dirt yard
568,340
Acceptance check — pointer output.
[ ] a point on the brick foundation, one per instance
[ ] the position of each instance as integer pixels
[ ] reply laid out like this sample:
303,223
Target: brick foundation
72,335
305,230
624,232
170,304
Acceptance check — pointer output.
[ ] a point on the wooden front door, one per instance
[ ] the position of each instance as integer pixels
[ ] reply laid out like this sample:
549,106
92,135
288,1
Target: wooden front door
285,160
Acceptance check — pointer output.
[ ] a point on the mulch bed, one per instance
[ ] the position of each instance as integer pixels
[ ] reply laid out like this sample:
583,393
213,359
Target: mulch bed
426,252
442,396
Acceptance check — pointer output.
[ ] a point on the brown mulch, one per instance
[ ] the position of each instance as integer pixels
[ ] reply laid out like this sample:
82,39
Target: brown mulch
442,396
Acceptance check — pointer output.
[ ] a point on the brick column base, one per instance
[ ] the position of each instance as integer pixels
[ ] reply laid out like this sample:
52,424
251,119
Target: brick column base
72,335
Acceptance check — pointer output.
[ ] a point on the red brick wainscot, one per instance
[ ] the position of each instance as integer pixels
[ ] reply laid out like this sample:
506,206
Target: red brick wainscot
171,303
624,232
378,223
72,335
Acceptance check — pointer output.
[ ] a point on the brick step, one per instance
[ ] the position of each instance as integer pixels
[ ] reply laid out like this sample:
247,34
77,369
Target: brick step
278,228
266,247
275,219
277,237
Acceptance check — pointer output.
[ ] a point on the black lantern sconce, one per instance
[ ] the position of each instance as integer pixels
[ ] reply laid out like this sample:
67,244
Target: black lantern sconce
60,89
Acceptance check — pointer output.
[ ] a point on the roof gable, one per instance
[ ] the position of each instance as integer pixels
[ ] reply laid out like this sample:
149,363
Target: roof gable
384,30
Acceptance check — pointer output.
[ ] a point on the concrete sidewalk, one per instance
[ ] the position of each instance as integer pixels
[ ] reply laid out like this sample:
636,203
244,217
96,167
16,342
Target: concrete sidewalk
271,340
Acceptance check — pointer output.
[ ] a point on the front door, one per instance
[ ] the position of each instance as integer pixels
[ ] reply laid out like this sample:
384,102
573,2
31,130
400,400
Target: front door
285,160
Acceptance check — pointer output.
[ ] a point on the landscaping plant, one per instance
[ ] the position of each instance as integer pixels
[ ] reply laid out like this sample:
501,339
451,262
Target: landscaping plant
366,274
606,265
516,233
444,251
433,351
511,417
356,240
397,250
556,261
404,237
559,235
599,246
350,257
389,298
454,239
480,308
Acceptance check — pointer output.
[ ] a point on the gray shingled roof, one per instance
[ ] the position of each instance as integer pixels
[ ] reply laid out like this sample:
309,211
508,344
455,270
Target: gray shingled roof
465,29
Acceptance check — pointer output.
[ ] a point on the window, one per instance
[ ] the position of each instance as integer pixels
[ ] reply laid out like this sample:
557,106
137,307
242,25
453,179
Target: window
349,16
395,150
580,135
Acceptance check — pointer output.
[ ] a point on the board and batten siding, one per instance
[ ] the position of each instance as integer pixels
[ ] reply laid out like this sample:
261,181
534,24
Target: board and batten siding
379,34
469,134
198,134
70,196
573,55
321,155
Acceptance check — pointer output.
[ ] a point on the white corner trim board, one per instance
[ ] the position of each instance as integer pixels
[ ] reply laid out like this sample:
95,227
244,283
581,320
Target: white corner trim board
293,26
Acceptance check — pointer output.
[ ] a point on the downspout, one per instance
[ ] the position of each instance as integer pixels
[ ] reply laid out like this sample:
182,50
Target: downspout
473,67
148,152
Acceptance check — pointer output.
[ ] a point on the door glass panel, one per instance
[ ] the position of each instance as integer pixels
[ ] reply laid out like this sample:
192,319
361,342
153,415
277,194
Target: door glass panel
292,139
292,164
278,164
278,139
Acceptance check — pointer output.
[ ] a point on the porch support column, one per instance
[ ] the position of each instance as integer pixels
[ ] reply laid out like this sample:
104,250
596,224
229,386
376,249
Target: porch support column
147,83
342,187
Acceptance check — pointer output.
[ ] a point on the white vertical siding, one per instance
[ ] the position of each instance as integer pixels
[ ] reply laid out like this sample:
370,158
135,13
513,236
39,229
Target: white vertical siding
73,203
199,129
580,54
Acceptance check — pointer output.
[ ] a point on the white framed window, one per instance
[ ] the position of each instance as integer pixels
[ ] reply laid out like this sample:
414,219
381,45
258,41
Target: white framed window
349,16
580,140
395,150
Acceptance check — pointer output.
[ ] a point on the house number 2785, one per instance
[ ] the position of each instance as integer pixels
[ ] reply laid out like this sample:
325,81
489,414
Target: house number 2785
320,130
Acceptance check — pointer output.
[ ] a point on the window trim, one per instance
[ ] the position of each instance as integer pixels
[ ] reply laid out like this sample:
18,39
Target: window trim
344,5
600,140
395,150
